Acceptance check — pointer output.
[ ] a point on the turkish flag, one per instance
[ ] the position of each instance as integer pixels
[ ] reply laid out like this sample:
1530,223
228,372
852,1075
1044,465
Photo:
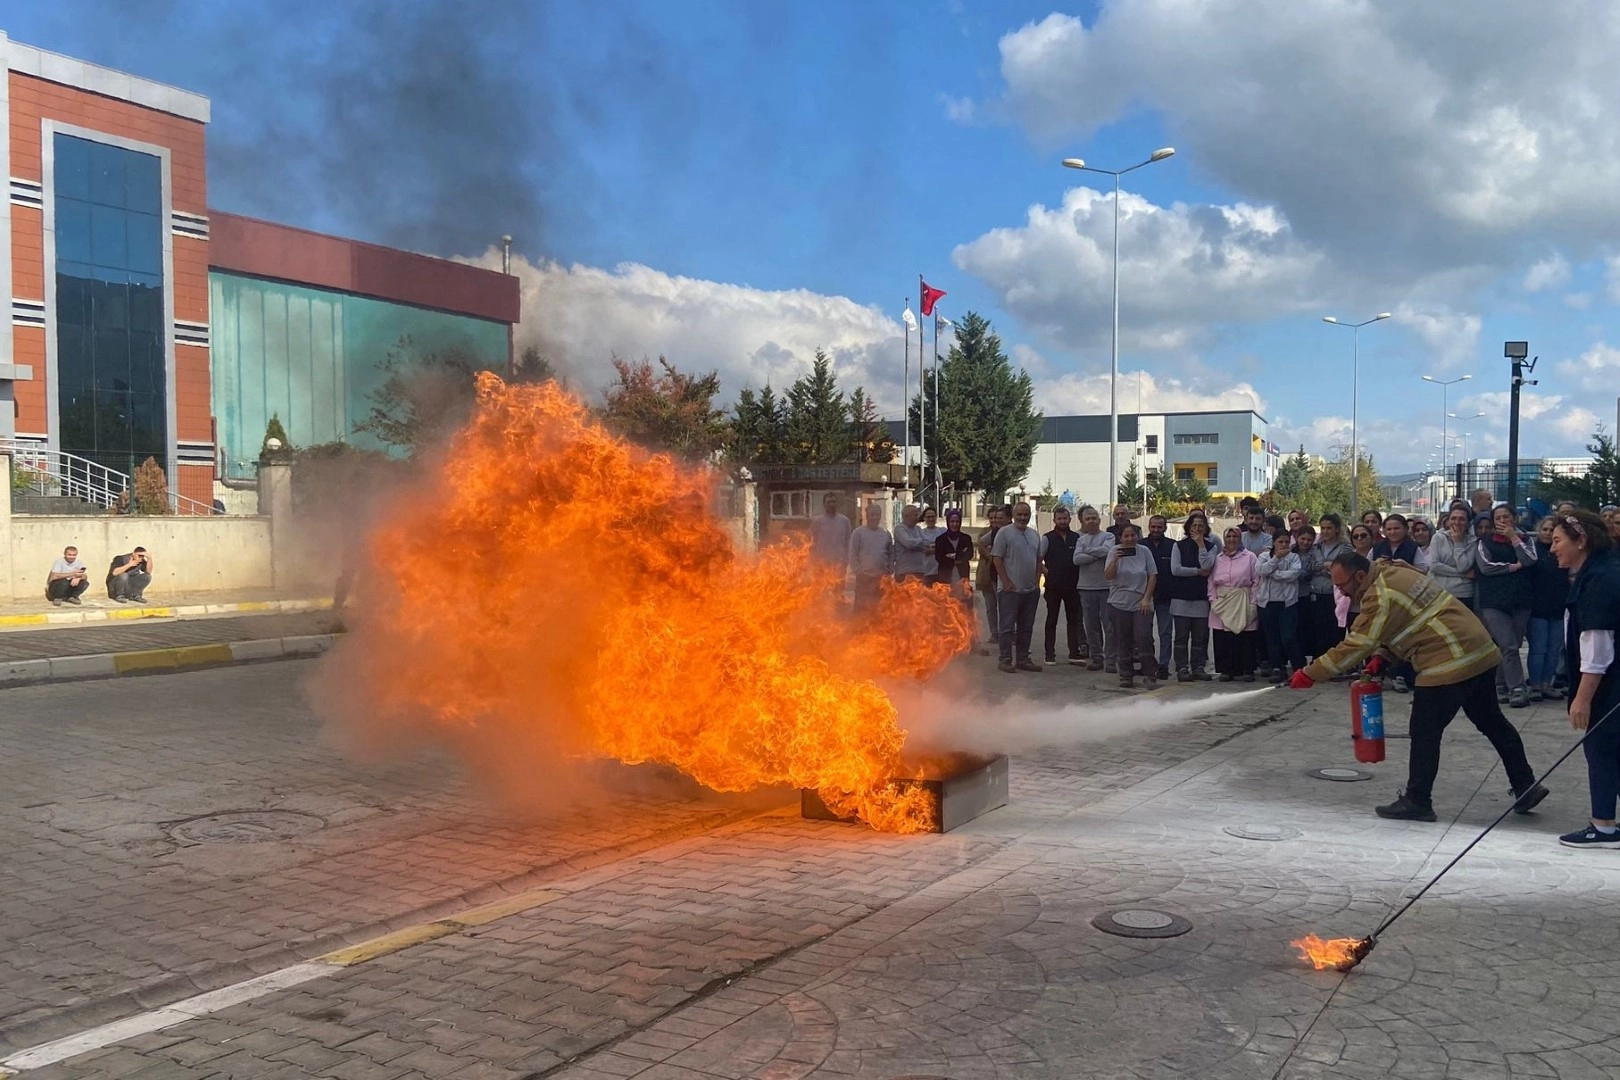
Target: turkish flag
930,296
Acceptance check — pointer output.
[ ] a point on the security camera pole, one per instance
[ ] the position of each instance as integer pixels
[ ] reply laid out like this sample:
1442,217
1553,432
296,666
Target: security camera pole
1516,351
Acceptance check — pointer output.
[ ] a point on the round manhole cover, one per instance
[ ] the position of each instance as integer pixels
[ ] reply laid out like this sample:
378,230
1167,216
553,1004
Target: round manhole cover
245,827
1261,832
1141,923
1342,775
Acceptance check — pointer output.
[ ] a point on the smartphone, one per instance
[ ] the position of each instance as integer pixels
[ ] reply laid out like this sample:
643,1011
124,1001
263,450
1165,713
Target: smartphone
1127,552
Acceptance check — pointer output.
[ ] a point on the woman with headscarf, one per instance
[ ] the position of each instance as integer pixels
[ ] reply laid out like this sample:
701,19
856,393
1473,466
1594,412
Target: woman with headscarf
1583,548
1233,617
1423,537
1192,560
1504,592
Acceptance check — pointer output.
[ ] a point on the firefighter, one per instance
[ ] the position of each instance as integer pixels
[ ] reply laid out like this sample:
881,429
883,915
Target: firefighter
1409,616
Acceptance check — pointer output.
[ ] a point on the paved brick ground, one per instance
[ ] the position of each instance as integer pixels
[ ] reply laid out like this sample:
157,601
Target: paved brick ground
160,634
104,908
774,947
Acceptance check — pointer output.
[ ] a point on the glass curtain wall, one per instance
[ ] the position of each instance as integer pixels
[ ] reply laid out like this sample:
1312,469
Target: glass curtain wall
110,366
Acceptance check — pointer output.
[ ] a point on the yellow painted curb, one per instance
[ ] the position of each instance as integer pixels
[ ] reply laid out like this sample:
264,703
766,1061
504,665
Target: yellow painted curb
164,659
141,613
389,943
425,932
258,605
23,620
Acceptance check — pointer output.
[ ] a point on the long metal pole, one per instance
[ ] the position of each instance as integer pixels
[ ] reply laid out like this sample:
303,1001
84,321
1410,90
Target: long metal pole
1113,380
1445,413
1513,439
922,395
934,359
1355,401
905,408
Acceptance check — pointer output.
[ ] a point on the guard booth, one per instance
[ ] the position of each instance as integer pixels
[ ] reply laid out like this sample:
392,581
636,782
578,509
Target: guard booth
790,495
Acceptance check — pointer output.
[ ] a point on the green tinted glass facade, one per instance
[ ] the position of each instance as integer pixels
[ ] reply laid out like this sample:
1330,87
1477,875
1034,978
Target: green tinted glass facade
313,357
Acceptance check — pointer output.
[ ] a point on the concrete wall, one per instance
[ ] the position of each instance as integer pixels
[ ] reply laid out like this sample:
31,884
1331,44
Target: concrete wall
192,554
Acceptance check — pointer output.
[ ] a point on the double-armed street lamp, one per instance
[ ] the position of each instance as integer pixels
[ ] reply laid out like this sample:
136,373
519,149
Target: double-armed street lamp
1113,381
1355,394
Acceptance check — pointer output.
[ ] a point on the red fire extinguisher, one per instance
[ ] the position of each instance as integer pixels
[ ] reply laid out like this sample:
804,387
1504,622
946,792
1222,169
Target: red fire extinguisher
1367,720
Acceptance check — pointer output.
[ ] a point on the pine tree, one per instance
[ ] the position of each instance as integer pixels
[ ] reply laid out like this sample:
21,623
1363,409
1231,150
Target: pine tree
1130,485
1162,490
1293,476
988,426
1194,491
818,416
870,435
757,428
1599,487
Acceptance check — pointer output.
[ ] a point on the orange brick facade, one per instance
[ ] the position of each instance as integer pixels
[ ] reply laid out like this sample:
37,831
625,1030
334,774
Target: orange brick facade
36,100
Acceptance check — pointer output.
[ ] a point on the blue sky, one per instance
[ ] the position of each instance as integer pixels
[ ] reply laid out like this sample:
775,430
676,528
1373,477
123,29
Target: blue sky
734,183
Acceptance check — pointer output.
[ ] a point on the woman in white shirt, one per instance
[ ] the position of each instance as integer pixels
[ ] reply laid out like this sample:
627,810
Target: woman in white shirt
1582,546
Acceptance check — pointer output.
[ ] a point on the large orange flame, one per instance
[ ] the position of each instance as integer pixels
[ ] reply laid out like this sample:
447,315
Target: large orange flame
555,591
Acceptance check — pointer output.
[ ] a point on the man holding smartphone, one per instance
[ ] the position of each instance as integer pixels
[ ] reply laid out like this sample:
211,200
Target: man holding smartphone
129,576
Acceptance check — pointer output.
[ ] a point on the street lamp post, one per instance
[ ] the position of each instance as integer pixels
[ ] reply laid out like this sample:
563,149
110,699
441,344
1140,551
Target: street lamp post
1462,447
1355,394
1113,381
1445,386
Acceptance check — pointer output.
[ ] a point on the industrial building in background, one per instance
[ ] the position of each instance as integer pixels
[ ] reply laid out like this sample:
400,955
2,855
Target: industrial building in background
1227,451
146,324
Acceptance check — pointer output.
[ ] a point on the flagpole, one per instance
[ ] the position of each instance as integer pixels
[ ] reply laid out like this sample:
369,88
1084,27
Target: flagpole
905,408
935,359
922,388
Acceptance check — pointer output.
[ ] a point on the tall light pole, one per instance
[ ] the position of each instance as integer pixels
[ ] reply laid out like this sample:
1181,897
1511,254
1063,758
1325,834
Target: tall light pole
1462,449
1445,386
1355,395
1113,381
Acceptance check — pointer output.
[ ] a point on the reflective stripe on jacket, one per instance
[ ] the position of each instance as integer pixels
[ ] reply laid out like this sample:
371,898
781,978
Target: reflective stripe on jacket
1411,616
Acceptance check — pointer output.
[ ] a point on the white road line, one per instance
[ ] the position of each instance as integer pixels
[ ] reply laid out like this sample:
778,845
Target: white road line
169,1015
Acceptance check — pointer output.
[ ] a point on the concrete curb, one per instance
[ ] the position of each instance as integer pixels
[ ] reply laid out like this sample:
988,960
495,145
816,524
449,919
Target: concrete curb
146,661
77,616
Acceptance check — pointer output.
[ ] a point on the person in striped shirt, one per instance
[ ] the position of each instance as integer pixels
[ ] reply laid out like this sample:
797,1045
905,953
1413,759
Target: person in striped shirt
1409,616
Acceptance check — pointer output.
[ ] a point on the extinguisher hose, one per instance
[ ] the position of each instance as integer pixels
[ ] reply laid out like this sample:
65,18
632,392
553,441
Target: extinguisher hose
1385,925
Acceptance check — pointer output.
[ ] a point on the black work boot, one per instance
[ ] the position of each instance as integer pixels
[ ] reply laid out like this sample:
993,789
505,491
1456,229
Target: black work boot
1405,809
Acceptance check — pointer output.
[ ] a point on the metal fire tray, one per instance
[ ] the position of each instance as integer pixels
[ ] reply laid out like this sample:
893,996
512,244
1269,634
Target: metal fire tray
973,789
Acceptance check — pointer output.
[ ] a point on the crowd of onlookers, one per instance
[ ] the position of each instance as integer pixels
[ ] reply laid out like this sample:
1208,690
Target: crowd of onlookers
1256,602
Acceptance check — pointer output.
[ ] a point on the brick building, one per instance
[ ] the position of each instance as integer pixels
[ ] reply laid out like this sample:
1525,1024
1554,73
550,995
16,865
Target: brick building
144,324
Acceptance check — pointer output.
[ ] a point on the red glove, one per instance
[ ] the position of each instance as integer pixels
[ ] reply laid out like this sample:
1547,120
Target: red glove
1374,668
1301,681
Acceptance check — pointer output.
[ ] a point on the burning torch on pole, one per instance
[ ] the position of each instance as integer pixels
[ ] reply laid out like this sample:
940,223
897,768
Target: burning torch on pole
1342,954
1455,660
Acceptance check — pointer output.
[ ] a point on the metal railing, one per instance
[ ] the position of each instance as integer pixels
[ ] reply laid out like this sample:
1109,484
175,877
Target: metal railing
56,473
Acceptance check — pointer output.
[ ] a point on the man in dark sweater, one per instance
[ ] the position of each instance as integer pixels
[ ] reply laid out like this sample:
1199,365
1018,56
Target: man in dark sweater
1161,546
1062,587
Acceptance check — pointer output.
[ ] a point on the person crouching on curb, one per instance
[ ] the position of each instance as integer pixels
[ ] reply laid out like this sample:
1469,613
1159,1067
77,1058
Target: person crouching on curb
129,576
1408,615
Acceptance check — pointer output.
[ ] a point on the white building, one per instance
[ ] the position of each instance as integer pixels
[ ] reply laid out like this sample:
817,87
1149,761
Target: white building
1227,450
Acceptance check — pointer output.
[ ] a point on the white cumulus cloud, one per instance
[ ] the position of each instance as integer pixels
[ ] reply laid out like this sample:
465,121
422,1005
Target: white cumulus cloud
1373,127
1182,268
